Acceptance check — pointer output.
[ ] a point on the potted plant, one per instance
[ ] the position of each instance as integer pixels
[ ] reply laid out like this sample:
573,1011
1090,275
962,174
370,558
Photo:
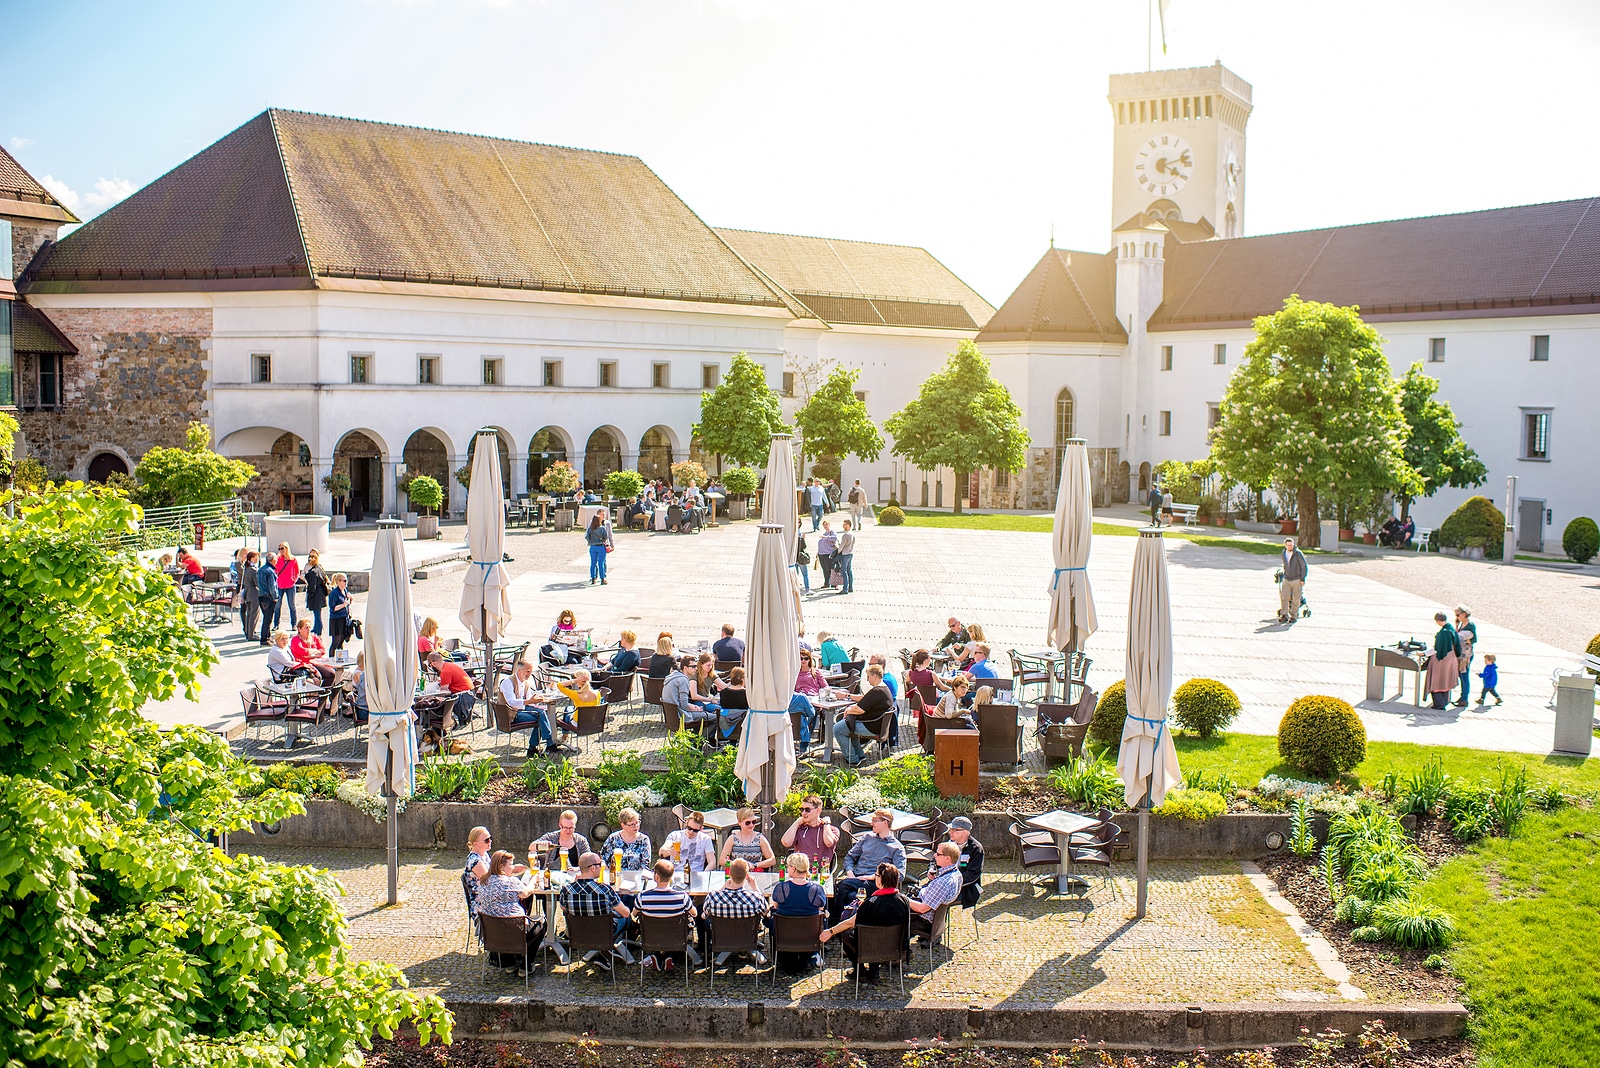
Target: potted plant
689,473
408,514
741,483
1378,510
428,495
338,486
624,485
559,480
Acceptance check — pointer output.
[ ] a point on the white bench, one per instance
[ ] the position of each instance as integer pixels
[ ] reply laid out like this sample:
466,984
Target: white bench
1590,664
1423,534
1186,512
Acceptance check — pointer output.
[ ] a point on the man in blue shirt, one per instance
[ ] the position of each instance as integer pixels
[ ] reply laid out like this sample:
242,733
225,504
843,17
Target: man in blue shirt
943,887
888,678
861,863
982,667
817,498
728,649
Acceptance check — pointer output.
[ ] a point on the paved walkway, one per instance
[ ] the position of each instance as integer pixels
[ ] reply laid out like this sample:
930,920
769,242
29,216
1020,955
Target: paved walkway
910,579
1209,936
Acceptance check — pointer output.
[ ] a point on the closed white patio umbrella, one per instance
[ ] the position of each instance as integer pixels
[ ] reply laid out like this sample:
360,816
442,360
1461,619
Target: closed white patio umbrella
778,505
486,593
766,758
1072,618
1147,760
390,645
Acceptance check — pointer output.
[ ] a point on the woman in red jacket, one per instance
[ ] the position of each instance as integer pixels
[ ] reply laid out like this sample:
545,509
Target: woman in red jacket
288,574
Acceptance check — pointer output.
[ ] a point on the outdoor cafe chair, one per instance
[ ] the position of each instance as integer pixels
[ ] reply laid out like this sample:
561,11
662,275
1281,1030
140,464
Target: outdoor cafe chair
1030,835
590,721
262,706
505,717
798,934
307,708
665,934
590,934
1033,856
508,936
474,931
724,666
881,945
999,734
724,935
1072,672
618,688
1028,671
938,923
1097,853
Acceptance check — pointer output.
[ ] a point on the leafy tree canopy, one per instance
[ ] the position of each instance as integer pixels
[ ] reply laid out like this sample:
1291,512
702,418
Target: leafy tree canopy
1433,444
738,419
962,419
192,474
127,938
834,422
1313,406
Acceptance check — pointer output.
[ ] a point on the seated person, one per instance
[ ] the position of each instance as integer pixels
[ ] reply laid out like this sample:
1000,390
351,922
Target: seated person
888,676
566,641
869,853
358,689
798,896
580,690
692,850
734,701
502,894
884,907
859,719
1389,534
517,691
982,667
737,900
957,635
664,660
280,662
728,649
971,862
921,674
427,636
626,658
563,841
665,900
810,681
1408,532
306,647
588,896
629,841
951,706
832,652
808,716
676,691
189,567
635,513
943,886
747,843
453,678
813,835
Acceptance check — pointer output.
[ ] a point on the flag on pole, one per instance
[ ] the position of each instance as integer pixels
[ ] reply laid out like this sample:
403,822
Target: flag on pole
1161,5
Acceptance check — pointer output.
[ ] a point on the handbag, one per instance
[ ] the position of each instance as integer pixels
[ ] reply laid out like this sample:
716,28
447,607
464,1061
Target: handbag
610,547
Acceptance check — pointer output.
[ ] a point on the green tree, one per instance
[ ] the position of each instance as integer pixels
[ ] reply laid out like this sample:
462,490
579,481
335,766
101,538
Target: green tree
738,419
962,419
128,939
1313,405
1433,445
192,474
834,422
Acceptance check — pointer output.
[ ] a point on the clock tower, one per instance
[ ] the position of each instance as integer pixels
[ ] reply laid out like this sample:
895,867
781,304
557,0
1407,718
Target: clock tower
1179,147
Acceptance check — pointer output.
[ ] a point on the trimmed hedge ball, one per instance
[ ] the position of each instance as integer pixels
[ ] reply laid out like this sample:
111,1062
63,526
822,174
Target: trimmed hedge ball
1322,735
1109,714
1204,706
891,517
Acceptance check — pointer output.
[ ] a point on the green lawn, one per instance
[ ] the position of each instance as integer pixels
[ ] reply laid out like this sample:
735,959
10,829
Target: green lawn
1528,950
1040,524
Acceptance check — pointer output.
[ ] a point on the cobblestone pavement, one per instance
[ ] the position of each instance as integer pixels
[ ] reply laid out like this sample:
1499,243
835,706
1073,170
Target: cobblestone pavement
1209,936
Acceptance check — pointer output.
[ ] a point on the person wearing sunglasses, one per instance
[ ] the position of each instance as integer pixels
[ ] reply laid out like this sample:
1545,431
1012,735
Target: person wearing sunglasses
693,850
813,835
748,844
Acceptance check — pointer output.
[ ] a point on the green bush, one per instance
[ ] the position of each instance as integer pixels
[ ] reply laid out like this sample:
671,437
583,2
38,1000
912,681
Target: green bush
1192,804
425,493
1204,706
1090,781
1366,934
1581,539
620,771
624,485
891,517
307,780
905,776
1109,714
1321,735
1353,910
1414,924
741,481
1476,518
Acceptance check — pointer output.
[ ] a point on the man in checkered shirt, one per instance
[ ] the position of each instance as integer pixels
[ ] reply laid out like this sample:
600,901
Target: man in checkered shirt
943,887
737,901
587,896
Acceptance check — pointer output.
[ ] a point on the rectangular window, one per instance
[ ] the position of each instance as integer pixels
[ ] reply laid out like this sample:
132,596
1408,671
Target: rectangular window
5,250
661,375
1535,435
491,371
7,359
788,383
360,367
49,380
1219,354
552,372
861,395
710,375
427,370
1166,357
608,373
1002,480
260,367
1166,425
1213,416
1541,347
1436,350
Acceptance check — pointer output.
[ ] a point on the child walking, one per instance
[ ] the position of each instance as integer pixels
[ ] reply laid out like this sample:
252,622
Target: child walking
1491,677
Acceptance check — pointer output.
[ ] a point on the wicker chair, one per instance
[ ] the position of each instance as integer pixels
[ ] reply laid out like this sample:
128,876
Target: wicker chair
881,945
587,934
507,935
742,935
798,934
665,934
999,734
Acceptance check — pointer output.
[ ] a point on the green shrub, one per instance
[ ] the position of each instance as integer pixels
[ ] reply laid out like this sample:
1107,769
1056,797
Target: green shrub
1109,714
902,777
1366,934
425,493
1476,518
1426,790
1411,923
1353,910
1581,539
1321,735
620,771
1090,781
741,481
1302,842
307,780
891,517
1470,811
624,485
1385,874
1204,706
1186,804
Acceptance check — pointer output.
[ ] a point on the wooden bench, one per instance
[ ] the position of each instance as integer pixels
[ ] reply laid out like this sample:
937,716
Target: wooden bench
1186,512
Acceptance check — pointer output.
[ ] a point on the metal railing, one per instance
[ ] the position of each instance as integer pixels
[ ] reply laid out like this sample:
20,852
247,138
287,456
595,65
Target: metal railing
180,520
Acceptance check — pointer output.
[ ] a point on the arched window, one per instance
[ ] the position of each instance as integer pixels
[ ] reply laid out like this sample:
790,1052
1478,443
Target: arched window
1066,423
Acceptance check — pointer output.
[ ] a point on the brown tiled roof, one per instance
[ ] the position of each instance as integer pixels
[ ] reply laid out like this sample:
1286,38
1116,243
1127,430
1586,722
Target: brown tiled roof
1068,296
372,200
863,281
1538,256
21,194
32,331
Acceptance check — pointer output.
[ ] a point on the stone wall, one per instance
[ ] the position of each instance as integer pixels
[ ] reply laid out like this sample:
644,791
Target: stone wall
26,241
140,377
278,472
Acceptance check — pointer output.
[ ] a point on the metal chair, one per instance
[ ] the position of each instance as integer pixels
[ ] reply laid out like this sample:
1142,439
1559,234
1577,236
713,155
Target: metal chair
586,934
618,688
307,708
999,734
262,706
1028,671
938,922
505,719
1033,855
665,934
1097,853
670,714
723,935
882,945
508,936
722,667
798,934
1061,737
590,721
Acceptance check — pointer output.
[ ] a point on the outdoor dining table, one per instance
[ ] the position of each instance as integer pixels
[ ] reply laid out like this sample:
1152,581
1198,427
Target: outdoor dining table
1048,659
706,883
719,821
826,707
1062,825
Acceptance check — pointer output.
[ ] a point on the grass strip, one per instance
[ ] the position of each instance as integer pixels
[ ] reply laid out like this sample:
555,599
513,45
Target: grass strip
1040,524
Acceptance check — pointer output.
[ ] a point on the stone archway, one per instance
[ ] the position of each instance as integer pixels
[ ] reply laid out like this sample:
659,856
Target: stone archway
425,453
545,449
655,454
505,461
104,464
601,456
361,457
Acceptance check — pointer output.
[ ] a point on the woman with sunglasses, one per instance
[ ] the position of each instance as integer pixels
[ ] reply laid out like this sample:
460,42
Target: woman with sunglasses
747,844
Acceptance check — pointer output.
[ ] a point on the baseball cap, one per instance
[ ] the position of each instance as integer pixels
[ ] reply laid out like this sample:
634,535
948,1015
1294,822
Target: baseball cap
961,823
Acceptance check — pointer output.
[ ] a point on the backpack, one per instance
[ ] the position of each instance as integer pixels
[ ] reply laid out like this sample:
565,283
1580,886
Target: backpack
1464,643
802,557
855,495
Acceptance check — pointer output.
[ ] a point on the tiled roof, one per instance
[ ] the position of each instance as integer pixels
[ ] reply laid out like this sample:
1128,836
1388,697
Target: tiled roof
21,194
32,331
371,200
1068,296
863,281
1538,256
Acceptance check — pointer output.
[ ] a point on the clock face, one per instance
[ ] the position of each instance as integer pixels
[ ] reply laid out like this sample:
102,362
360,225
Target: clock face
1163,164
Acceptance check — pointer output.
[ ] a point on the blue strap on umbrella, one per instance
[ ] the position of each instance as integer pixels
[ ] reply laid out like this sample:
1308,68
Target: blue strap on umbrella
1057,577
1159,724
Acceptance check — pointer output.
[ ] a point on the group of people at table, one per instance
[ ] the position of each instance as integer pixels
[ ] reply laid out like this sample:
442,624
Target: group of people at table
871,887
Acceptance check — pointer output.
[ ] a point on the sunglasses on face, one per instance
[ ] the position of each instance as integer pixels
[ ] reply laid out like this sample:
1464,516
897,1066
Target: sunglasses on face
808,808
692,830
748,823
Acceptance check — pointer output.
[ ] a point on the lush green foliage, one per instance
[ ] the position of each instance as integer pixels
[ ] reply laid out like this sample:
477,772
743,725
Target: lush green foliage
337,484
1322,735
128,939
560,478
624,485
1185,804
1433,445
828,783
192,474
1183,478
464,475
444,778
8,439
1110,714
620,770
1476,524
906,781
689,473
425,493
1204,706
307,780
961,419
1314,405
1581,539
834,421
1302,842
740,417
1090,780
696,779
741,481
891,517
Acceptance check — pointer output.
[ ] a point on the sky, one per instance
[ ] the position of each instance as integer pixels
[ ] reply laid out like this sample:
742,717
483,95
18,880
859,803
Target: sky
975,130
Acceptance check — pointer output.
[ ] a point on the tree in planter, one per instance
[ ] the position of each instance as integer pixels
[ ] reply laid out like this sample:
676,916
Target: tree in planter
1313,404
338,486
738,419
1433,445
559,479
741,481
130,939
689,473
624,485
192,474
426,494
962,419
834,421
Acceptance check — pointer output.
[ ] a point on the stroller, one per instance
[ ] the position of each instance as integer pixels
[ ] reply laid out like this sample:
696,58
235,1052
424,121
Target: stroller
1305,605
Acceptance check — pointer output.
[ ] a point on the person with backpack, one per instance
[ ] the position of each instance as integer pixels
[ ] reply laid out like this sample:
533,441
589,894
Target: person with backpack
857,499
827,545
802,560
1444,674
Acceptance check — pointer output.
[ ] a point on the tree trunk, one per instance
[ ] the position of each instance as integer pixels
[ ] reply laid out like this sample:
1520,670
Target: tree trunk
1310,530
1405,508
961,487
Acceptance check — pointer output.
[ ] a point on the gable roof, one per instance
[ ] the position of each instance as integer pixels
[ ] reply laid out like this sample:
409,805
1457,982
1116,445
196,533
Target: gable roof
32,331
1068,296
21,196
1537,256
863,282
291,197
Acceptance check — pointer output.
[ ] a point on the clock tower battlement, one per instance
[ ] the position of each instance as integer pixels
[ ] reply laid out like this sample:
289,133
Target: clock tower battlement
1179,152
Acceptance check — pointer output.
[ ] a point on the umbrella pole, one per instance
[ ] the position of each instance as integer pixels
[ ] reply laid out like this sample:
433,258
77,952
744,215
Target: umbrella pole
1144,859
393,824
769,789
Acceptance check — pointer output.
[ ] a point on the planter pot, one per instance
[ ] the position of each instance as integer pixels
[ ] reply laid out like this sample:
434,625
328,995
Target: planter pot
1472,552
564,518
1347,534
1250,526
739,509
427,527
1369,538
1286,527
338,522
1220,521
410,518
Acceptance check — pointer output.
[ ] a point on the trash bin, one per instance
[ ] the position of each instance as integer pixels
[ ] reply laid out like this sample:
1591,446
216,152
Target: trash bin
1328,531
1575,713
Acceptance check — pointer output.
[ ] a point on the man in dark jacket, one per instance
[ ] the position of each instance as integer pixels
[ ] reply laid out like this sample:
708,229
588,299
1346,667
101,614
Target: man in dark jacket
884,907
267,592
249,596
1154,501
971,861
1294,578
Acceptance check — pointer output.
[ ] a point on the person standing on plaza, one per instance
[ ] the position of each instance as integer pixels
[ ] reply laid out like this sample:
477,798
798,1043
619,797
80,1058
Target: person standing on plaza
844,559
338,611
267,595
1154,501
1443,674
1294,579
802,559
599,538
249,596
817,499
1466,637
857,499
316,589
827,546
288,574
